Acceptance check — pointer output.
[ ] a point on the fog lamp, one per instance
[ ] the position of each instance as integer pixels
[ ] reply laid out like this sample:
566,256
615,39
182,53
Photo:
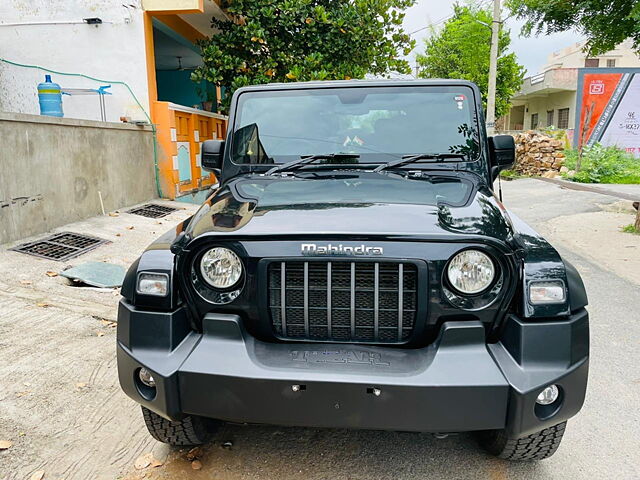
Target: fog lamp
548,395
146,378
156,284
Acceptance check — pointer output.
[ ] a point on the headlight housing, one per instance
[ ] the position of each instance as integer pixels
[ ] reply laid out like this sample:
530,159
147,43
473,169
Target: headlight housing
221,268
471,272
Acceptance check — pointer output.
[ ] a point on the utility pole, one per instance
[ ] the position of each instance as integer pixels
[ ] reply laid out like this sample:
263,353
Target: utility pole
493,69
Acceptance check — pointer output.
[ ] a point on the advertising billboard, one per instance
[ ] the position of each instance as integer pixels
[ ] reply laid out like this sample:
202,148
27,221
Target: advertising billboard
608,110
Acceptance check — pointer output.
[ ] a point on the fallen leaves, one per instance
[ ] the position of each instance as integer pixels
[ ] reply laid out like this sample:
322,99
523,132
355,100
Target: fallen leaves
5,444
39,475
51,273
25,282
114,214
99,334
109,323
145,461
81,385
196,464
194,453
43,304
130,227
23,393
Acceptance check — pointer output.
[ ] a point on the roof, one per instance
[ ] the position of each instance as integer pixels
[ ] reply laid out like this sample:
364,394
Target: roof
359,83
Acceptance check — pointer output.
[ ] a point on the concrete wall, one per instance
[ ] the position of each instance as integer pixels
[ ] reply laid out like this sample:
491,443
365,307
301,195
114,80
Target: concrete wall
51,34
52,169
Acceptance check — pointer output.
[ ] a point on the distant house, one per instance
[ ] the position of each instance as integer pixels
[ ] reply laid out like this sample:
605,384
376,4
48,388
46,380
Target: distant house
549,98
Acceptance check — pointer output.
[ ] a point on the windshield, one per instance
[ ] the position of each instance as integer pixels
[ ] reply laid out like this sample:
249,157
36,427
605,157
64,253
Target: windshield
378,124
355,190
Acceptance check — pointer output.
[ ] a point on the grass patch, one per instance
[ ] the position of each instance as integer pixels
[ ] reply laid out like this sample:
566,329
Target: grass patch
631,229
603,165
510,175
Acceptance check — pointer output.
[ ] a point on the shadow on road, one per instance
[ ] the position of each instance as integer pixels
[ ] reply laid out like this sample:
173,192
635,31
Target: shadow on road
309,453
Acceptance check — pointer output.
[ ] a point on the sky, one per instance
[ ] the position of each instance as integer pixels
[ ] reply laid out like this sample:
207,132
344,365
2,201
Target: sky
532,52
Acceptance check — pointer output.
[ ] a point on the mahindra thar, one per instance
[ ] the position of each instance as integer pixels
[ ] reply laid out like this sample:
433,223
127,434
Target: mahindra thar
354,268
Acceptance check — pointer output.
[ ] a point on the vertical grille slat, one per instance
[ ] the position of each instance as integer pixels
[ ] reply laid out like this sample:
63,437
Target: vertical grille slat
306,299
329,306
353,299
283,297
376,299
343,300
400,299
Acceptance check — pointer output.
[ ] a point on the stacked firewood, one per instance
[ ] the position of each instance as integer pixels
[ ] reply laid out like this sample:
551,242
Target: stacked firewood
539,155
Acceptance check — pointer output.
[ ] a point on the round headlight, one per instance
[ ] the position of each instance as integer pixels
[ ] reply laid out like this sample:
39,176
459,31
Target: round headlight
221,268
471,271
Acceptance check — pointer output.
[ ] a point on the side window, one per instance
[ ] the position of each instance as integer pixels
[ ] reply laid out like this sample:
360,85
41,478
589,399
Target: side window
591,62
534,121
563,118
549,118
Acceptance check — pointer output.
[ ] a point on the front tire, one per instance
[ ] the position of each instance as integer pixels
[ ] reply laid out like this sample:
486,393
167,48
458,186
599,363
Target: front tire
537,446
191,430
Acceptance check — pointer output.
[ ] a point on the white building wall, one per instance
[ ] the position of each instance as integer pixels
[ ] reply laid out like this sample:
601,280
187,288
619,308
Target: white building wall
114,51
573,57
553,101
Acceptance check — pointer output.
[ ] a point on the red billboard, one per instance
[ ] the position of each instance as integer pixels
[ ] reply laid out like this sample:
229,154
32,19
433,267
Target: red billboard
609,108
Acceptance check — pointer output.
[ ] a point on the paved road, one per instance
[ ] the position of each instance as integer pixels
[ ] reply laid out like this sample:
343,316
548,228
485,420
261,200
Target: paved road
93,431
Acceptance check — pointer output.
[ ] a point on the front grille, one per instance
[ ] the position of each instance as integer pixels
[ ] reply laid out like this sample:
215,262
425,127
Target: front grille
372,302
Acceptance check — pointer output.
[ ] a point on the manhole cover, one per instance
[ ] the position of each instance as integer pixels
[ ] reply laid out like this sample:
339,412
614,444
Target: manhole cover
61,246
152,210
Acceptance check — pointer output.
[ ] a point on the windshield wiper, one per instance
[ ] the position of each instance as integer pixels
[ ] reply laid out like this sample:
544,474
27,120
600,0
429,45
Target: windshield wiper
438,157
304,160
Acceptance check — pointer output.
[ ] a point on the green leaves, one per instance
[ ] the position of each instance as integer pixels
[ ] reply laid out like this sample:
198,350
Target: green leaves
299,40
461,50
605,23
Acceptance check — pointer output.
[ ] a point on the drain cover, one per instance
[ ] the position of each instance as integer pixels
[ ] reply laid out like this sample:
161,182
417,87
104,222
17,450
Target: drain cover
152,210
61,246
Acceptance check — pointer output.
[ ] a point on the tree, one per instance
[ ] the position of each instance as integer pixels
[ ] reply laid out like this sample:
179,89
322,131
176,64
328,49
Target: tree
605,24
461,50
296,40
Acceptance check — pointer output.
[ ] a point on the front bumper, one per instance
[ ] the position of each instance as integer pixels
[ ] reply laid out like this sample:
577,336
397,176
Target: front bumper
459,383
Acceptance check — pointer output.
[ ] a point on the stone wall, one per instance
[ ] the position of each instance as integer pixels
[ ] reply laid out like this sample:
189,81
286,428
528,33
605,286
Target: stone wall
54,171
538,154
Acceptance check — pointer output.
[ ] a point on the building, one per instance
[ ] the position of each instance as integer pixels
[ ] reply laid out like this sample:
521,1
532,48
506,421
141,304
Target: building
549,98
141,52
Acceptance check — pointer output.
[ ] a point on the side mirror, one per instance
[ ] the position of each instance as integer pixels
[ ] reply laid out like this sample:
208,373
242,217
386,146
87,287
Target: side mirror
502,151
212,151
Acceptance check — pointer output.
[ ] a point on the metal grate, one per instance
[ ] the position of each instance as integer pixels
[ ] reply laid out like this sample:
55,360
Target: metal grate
372,302
61,246
152,210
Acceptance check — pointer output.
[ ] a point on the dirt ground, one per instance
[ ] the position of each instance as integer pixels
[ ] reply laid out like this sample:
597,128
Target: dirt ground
64,414
60,401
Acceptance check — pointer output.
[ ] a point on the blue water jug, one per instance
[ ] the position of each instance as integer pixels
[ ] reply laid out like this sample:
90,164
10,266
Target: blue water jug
50,98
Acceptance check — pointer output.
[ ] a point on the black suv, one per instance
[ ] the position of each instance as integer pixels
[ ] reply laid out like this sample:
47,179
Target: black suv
355,269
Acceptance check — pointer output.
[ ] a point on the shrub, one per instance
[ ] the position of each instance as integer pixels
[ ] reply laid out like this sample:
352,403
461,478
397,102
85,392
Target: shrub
630,229
603,165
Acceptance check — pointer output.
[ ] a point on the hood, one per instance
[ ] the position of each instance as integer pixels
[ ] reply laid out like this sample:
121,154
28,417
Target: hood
319,207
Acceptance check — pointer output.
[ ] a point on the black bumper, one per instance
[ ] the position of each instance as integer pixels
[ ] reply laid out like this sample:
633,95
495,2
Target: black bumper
459,383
